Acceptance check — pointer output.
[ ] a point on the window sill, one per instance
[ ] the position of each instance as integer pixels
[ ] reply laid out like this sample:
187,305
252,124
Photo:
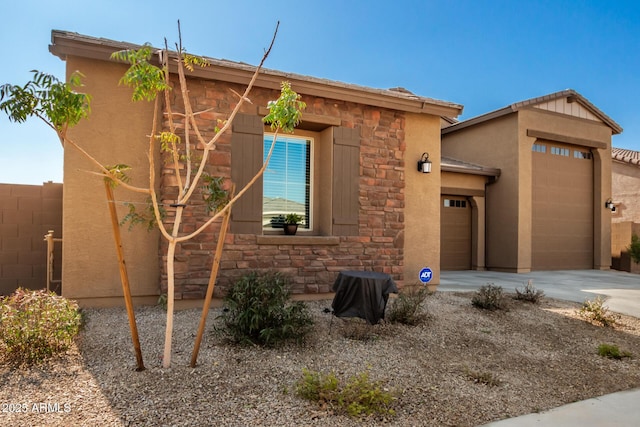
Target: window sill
298,240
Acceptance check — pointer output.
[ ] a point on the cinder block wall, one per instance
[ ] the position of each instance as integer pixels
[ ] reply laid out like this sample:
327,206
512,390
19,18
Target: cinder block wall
27,212
621,233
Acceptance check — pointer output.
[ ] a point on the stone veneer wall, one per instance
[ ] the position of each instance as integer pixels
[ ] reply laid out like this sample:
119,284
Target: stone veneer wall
312,267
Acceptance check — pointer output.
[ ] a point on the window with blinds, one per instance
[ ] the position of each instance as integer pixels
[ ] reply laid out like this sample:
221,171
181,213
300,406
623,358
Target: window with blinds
287,181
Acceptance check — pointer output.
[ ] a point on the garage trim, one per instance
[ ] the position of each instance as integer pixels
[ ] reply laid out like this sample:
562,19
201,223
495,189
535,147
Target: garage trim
549,136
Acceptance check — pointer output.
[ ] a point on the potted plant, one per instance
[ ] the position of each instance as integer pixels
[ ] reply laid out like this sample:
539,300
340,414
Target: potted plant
291,222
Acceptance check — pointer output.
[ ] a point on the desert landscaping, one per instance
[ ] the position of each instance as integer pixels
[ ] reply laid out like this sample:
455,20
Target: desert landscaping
461,366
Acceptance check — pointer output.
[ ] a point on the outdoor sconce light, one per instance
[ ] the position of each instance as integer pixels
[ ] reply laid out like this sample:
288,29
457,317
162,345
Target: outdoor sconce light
424,164
609,205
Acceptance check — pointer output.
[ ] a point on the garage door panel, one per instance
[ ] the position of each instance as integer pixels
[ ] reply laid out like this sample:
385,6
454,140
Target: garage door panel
455,233
562,210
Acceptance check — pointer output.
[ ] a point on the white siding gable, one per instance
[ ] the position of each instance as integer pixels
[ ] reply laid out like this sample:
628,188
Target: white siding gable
575,109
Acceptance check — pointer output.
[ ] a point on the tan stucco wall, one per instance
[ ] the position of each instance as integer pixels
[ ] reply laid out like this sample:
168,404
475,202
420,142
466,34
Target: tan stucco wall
422,199
478,237
625,189
116,132
494,144
463,181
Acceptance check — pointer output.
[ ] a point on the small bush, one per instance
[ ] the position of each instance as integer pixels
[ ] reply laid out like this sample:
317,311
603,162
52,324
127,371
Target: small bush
406,307
612,351
318,387
479,377
162,301
258,310
489,297
529,293
595,312
35,325
358,397
634,248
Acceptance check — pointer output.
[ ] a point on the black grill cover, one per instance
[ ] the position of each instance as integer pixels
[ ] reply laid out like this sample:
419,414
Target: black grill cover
362,294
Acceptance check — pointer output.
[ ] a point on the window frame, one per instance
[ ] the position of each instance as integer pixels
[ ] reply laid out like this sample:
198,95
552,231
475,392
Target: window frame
302,136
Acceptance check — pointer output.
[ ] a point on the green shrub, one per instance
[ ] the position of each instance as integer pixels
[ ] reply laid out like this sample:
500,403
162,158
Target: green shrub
258,310
162,301
406,307
358,397
489,297
612,351
318,387
529,293
595,312
35,325
634,248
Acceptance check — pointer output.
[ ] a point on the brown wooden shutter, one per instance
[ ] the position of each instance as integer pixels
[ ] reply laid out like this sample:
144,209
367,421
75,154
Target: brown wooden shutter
346,174
246,160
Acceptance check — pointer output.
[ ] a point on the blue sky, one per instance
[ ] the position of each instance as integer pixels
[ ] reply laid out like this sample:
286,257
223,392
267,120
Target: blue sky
484,55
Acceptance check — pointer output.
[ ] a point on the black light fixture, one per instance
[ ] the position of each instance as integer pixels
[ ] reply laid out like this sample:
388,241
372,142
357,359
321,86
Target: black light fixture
610,205
424,164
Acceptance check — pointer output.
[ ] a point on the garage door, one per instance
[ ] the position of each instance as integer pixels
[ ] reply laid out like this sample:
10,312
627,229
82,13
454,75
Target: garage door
562,217
455,233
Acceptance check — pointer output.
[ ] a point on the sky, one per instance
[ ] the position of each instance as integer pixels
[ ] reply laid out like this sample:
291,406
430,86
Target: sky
482,54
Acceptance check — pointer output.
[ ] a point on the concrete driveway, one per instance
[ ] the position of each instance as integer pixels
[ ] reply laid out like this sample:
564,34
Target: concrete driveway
621,290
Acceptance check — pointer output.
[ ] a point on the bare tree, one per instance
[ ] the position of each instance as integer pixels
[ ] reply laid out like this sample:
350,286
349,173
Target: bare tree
61,108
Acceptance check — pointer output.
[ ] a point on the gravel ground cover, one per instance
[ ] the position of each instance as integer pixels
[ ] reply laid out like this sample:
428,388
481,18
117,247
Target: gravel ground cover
537,357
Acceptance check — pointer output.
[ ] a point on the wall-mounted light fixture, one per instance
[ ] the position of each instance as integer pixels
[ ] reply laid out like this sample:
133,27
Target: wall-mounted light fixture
610,205
424,164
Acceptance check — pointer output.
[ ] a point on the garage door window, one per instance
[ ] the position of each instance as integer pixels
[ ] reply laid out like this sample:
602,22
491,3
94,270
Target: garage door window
539,148
560,151
586,155
448,203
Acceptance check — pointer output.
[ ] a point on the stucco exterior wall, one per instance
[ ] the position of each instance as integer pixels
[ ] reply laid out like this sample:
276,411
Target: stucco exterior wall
625,193
463,182
494,144
115,132
422,201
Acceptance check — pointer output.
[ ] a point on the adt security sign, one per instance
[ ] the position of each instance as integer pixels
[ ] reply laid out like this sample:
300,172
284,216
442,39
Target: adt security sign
425,275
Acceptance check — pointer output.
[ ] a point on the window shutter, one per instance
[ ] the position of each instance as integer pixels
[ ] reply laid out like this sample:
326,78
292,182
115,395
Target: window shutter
346,174
246,160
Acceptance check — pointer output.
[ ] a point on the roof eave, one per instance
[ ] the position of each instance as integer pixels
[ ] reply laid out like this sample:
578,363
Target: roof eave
65,44
471,171
570,94
478,119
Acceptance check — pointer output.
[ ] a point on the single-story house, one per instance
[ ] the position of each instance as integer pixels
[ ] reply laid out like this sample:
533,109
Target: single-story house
518,189
367,205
